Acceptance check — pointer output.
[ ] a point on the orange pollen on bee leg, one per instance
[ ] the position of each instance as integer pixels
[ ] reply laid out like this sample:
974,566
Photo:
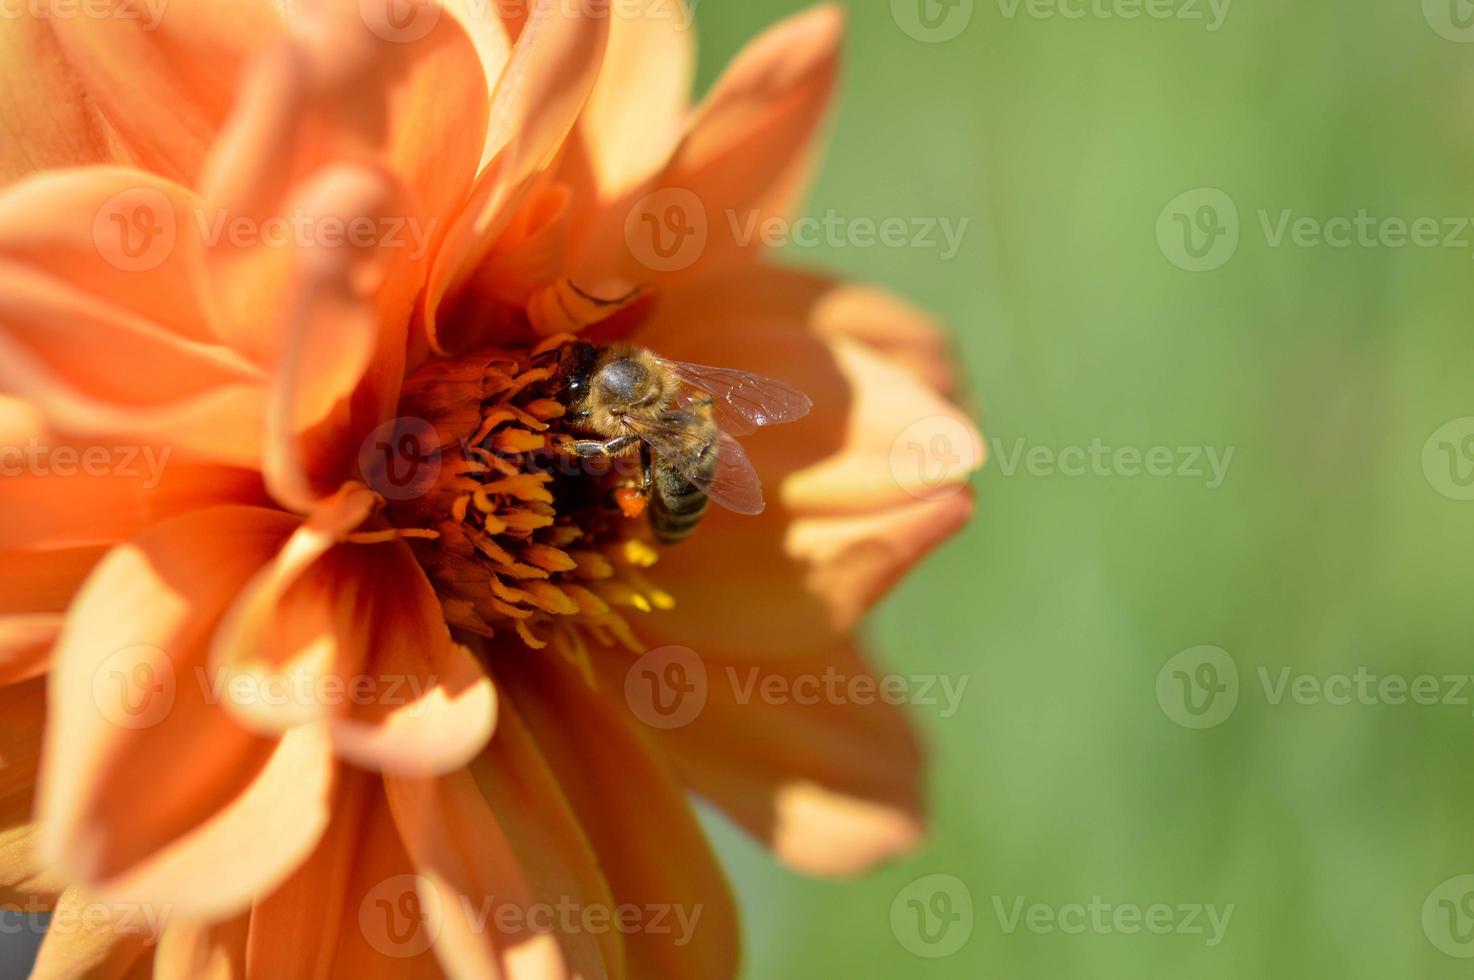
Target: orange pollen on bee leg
518,536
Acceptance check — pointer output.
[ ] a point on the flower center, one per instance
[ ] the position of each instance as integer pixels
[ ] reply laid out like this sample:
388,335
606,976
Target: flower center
529,538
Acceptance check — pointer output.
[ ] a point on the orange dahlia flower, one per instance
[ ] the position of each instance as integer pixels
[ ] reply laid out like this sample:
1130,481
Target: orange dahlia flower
334,677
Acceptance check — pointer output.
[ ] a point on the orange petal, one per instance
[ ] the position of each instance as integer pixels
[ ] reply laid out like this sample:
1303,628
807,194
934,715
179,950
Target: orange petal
464,858
350,86
551,71
810,755
165,74
48,119
134,707
197,950
430,706
637,110
91,937
354,636
142,485
510,796
351,909
103,326
745,156
347,316
35,587
632,808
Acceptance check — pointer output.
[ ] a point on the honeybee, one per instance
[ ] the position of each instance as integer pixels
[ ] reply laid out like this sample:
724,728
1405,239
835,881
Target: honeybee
682,417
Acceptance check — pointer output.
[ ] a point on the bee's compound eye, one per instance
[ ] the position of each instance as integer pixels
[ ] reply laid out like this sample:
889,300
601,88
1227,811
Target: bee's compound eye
621,380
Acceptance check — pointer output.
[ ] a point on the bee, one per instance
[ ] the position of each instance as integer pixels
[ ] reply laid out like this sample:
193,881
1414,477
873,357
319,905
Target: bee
682,418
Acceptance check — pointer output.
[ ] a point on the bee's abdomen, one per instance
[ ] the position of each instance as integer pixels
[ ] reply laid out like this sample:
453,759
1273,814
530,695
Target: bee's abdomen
677,504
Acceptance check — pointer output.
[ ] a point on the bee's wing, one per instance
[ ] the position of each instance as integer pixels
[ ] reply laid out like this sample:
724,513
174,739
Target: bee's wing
680,439
741,401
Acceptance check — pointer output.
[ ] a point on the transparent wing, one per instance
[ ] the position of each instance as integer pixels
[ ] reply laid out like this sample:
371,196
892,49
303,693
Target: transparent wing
684,442
741,401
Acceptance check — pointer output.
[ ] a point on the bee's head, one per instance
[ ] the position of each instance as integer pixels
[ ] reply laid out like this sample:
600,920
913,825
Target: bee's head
576,369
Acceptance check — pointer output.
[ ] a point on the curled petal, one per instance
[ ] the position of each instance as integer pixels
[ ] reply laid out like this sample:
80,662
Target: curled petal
106,262
134,707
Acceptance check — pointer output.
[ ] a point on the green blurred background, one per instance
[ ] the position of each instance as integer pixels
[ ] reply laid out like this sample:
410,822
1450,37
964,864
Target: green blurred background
1329,548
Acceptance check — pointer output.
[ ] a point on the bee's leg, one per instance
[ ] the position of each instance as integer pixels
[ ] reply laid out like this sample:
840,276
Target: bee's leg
594,448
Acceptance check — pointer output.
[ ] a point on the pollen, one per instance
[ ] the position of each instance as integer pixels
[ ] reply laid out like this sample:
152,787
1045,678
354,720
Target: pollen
518,536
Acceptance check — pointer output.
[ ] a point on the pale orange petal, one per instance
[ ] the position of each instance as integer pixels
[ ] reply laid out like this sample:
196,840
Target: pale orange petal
637,111
551,71
90,937
198,950
346,317
464,858
103,324
46,116
164,74
352,908
347,89
142,485
807,754
510,795
227,814
632,807
745,158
